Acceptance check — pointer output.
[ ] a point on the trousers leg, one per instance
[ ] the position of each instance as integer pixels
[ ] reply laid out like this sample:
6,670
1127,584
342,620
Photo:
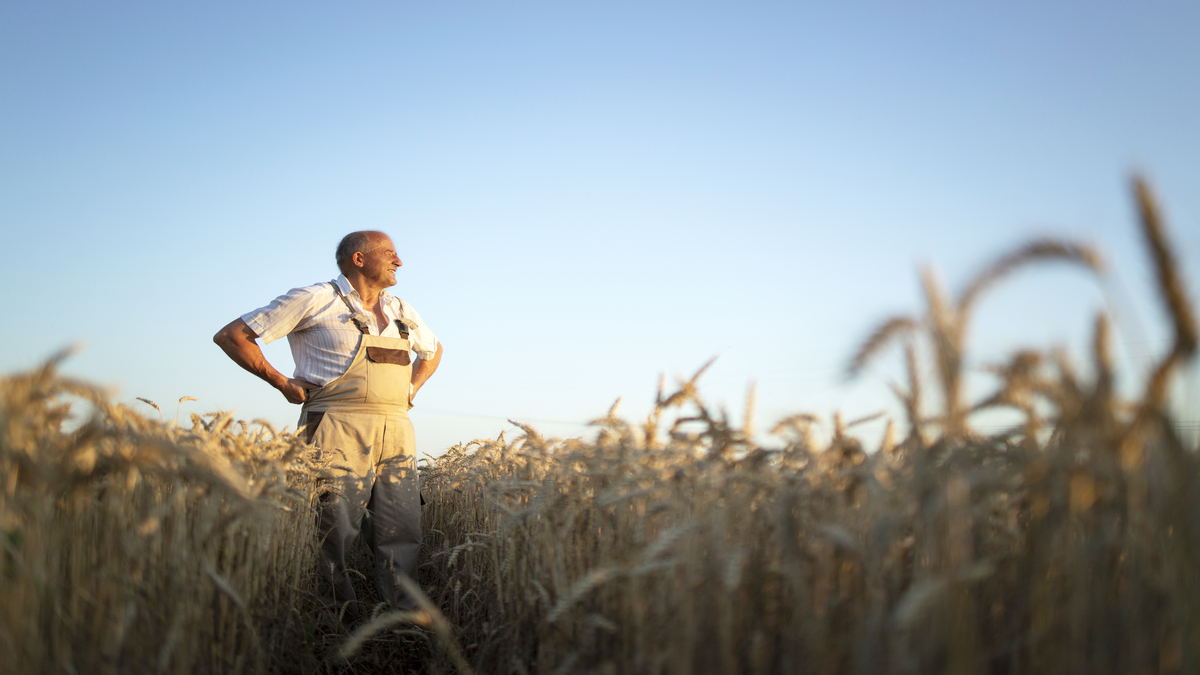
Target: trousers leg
347,442
396,512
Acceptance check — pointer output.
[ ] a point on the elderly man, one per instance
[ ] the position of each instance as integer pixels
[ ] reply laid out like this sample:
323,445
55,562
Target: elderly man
351,341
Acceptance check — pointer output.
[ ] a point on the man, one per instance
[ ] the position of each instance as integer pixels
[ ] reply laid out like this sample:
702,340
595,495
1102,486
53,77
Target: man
354,375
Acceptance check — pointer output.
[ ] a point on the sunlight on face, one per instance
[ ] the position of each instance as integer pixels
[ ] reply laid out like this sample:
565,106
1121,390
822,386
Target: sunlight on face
381,262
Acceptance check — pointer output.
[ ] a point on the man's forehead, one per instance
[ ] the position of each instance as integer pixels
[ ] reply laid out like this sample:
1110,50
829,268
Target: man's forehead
381,240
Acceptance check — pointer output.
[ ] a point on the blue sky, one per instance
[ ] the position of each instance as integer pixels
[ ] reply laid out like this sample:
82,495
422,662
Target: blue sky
584,195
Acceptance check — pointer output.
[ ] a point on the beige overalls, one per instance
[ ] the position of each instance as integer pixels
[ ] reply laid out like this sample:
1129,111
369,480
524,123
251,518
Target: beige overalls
360,423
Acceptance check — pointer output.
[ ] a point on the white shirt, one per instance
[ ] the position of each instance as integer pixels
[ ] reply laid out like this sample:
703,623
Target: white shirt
322,336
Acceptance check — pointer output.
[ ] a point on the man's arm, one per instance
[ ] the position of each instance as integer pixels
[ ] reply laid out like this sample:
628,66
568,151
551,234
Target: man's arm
423,370
237,340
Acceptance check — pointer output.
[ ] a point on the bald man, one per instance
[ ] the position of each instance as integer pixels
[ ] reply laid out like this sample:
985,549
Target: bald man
356,377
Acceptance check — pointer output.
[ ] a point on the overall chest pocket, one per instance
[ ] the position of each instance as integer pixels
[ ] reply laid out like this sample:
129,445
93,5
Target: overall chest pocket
389,372
398,357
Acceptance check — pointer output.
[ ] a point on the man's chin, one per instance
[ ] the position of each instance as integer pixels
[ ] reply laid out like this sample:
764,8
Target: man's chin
385,280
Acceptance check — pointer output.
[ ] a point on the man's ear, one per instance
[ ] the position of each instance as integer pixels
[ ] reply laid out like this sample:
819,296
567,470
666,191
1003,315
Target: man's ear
359,259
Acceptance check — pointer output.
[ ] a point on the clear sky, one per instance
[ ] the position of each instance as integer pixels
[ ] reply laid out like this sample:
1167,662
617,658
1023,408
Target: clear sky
584,195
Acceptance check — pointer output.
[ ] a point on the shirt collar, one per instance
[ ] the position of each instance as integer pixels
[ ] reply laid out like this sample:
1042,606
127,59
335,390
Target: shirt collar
344,285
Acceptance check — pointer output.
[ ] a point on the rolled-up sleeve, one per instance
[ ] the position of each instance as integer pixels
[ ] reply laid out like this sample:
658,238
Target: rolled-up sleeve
423,341
283,315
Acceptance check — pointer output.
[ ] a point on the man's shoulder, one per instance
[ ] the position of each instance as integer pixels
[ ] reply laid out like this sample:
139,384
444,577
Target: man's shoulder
319,288
407,313
391,300
301,298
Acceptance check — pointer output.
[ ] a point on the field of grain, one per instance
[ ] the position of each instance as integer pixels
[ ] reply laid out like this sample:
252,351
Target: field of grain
674,544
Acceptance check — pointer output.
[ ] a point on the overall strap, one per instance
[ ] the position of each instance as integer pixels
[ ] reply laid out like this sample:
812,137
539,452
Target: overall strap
362,326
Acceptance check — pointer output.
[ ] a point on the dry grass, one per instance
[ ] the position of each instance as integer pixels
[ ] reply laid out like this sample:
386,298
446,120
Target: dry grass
675,545
1067,544
135,546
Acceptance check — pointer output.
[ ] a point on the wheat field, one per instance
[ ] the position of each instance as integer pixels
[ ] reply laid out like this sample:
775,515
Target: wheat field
675,544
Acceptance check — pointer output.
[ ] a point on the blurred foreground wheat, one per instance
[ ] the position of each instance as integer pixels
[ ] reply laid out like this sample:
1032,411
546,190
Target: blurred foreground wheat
1069,543
135,546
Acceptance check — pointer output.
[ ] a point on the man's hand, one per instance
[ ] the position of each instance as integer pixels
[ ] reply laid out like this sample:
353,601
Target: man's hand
296,390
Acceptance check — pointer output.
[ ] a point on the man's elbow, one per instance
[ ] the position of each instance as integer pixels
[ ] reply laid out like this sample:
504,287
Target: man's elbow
432,360
222,338
226,337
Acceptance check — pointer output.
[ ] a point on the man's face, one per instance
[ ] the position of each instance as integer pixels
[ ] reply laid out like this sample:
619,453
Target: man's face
380,264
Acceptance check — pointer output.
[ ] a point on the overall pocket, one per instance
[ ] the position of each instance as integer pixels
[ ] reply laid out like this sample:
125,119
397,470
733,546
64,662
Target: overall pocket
312,420
389,372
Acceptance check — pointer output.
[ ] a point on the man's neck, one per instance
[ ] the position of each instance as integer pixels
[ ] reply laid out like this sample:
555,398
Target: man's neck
368,293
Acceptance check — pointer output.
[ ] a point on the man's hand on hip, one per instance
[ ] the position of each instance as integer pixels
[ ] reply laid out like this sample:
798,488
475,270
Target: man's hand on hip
296,390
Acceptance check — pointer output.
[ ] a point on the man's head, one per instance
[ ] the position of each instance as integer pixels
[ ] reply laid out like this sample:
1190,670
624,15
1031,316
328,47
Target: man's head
369,254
